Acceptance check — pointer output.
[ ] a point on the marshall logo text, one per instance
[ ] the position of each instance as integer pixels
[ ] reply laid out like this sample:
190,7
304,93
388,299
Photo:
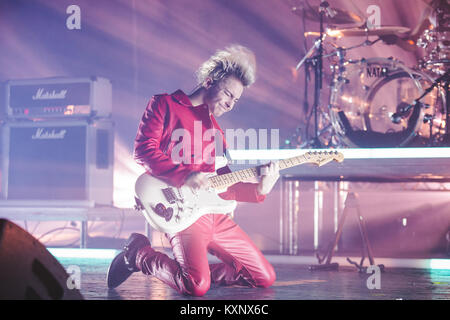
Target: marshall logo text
49,95
42,134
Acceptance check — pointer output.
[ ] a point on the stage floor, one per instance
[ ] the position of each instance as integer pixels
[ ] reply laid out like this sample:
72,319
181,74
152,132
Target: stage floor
294,282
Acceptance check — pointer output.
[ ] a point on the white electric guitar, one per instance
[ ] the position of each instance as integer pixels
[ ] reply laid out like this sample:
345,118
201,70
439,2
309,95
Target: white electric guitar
170,210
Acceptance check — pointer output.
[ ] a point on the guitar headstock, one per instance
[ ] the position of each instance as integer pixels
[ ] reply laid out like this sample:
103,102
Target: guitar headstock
323,157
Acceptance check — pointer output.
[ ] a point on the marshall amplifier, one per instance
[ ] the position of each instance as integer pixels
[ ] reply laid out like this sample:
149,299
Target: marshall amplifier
53,162
59,98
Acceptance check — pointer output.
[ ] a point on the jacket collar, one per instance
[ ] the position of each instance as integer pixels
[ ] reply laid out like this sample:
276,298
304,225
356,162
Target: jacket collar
180,97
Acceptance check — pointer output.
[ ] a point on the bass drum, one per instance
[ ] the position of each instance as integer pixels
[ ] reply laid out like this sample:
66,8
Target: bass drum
371,104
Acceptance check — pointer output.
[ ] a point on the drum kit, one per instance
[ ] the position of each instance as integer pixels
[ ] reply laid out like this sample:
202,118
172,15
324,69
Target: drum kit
376,101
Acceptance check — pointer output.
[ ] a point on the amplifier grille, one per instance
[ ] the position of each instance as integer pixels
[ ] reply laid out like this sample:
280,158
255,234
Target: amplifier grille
47,163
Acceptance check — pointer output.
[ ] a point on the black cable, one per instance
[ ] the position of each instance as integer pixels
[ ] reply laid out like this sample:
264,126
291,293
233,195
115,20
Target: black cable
53,236
56,229
35,227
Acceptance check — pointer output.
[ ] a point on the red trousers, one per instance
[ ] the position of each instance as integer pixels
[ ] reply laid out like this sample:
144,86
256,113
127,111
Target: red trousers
191,274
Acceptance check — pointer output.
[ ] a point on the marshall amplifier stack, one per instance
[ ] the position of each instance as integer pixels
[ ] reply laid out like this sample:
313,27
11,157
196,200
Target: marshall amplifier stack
57,142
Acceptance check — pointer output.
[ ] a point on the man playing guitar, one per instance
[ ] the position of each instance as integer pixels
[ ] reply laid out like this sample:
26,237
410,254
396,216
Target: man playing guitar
221,81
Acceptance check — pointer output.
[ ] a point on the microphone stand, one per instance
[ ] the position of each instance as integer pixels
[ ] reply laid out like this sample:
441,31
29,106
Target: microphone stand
318,68
317,63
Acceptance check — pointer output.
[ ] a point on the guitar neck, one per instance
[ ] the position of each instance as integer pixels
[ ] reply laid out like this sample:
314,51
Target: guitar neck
228,179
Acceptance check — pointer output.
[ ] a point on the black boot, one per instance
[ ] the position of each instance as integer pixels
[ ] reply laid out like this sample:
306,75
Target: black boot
124,264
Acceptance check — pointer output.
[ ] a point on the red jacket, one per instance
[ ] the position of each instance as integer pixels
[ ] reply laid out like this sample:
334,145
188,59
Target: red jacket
153,146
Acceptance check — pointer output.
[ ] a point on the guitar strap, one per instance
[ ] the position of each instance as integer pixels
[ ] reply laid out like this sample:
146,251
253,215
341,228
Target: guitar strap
216,125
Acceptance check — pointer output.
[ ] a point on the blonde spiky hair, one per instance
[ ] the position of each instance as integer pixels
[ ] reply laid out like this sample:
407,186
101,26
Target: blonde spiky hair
235,60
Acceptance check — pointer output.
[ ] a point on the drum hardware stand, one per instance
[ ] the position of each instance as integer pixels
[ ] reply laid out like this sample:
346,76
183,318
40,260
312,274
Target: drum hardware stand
316,64
443,81
351,202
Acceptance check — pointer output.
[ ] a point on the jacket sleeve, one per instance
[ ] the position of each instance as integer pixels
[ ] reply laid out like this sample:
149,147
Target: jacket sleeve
147,146
241,191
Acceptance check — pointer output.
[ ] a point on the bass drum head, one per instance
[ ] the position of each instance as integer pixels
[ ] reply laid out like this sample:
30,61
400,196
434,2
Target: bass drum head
369,104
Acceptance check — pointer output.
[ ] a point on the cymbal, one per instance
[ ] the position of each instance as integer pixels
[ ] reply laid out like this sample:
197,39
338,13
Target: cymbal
359,32
339,16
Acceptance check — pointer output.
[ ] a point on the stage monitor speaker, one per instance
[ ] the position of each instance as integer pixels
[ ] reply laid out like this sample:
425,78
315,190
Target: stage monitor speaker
58,161
28,271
